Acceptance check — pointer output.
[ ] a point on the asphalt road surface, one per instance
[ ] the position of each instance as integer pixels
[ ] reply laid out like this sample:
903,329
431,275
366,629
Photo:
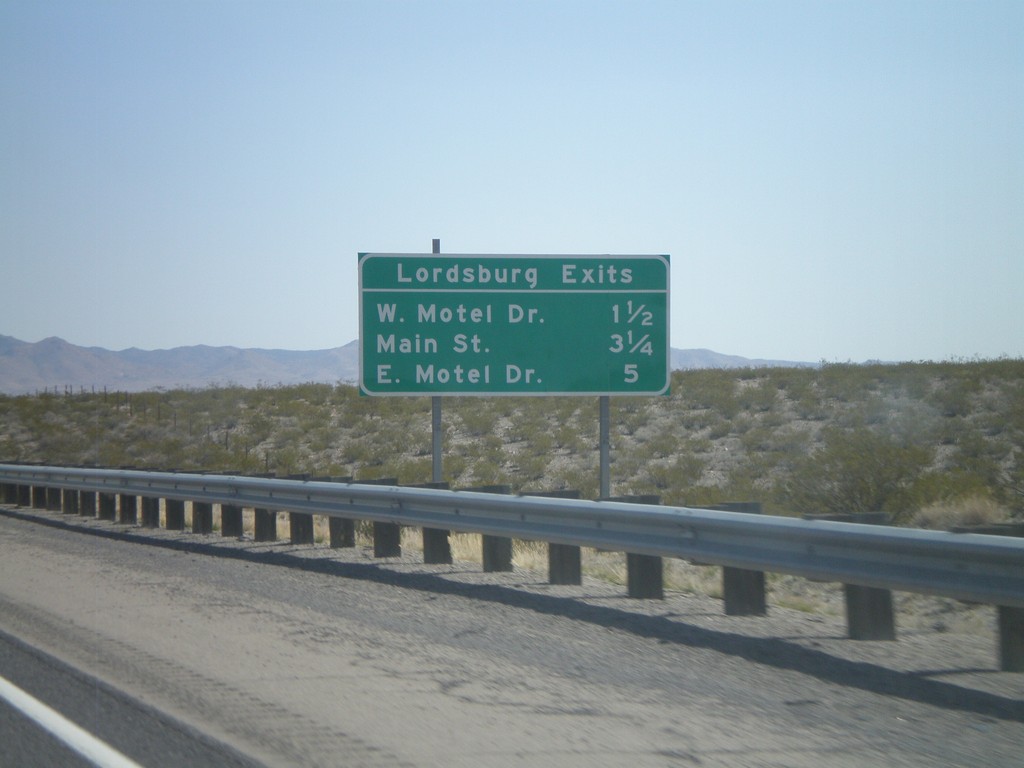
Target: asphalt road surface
132,731
184,649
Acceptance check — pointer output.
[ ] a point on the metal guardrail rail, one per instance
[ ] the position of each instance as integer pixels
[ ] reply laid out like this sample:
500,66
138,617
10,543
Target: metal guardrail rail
976,568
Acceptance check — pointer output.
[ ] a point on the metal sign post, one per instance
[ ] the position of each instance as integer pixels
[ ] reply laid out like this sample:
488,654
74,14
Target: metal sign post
436,435
606,445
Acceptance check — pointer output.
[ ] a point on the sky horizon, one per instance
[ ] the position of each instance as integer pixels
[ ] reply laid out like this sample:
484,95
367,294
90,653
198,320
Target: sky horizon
833,182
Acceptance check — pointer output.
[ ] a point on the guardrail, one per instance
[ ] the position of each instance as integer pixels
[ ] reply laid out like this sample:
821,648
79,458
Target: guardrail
970,567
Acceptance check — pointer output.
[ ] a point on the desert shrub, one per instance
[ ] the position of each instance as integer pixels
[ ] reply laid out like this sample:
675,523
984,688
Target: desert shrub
1012,486
574,477
477,420
844,382
663,444
487,471
856,471
957,389
712,389
776,435
677,475
529,469
759,398
946,487
408,470
719,428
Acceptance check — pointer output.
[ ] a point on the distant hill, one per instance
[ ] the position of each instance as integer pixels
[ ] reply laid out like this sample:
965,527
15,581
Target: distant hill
55,364
693,359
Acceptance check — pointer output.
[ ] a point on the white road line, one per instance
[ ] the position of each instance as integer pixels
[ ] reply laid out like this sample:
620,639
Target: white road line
80,740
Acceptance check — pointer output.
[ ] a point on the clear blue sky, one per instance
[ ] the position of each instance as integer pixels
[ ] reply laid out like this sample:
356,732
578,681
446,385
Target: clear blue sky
833,180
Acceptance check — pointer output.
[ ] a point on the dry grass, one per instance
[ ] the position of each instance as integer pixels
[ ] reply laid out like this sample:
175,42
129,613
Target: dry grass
975,510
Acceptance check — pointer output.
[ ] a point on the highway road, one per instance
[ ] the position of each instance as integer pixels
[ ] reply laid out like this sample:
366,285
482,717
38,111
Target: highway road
118,727
179,649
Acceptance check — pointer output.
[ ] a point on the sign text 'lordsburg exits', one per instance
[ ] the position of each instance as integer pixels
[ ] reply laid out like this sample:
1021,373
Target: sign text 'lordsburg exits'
447,324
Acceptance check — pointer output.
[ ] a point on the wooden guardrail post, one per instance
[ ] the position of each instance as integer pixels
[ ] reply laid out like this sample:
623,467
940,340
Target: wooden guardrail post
174,513
645,574
869,610
264,524
107,506
340,530
150,512
264,520
202,517
437,548
231,523
565,561
387,540
743,591
128,512
24,495
69,502
87,503
497,553
565,564
869,613
496,550
1010,619
387,537
1011,639
300,524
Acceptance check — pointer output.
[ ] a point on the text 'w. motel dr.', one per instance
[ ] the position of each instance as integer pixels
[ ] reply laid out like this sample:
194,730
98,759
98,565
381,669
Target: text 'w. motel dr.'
472,324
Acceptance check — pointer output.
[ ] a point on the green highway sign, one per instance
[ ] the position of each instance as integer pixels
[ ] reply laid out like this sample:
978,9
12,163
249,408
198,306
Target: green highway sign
467,324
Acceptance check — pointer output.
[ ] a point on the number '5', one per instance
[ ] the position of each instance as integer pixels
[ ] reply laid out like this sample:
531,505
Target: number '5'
631,374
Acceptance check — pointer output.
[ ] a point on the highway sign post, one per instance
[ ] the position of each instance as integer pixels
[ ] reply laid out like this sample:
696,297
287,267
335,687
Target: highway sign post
470,324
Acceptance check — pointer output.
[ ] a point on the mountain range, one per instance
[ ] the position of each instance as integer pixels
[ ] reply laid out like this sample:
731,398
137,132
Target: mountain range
57,365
